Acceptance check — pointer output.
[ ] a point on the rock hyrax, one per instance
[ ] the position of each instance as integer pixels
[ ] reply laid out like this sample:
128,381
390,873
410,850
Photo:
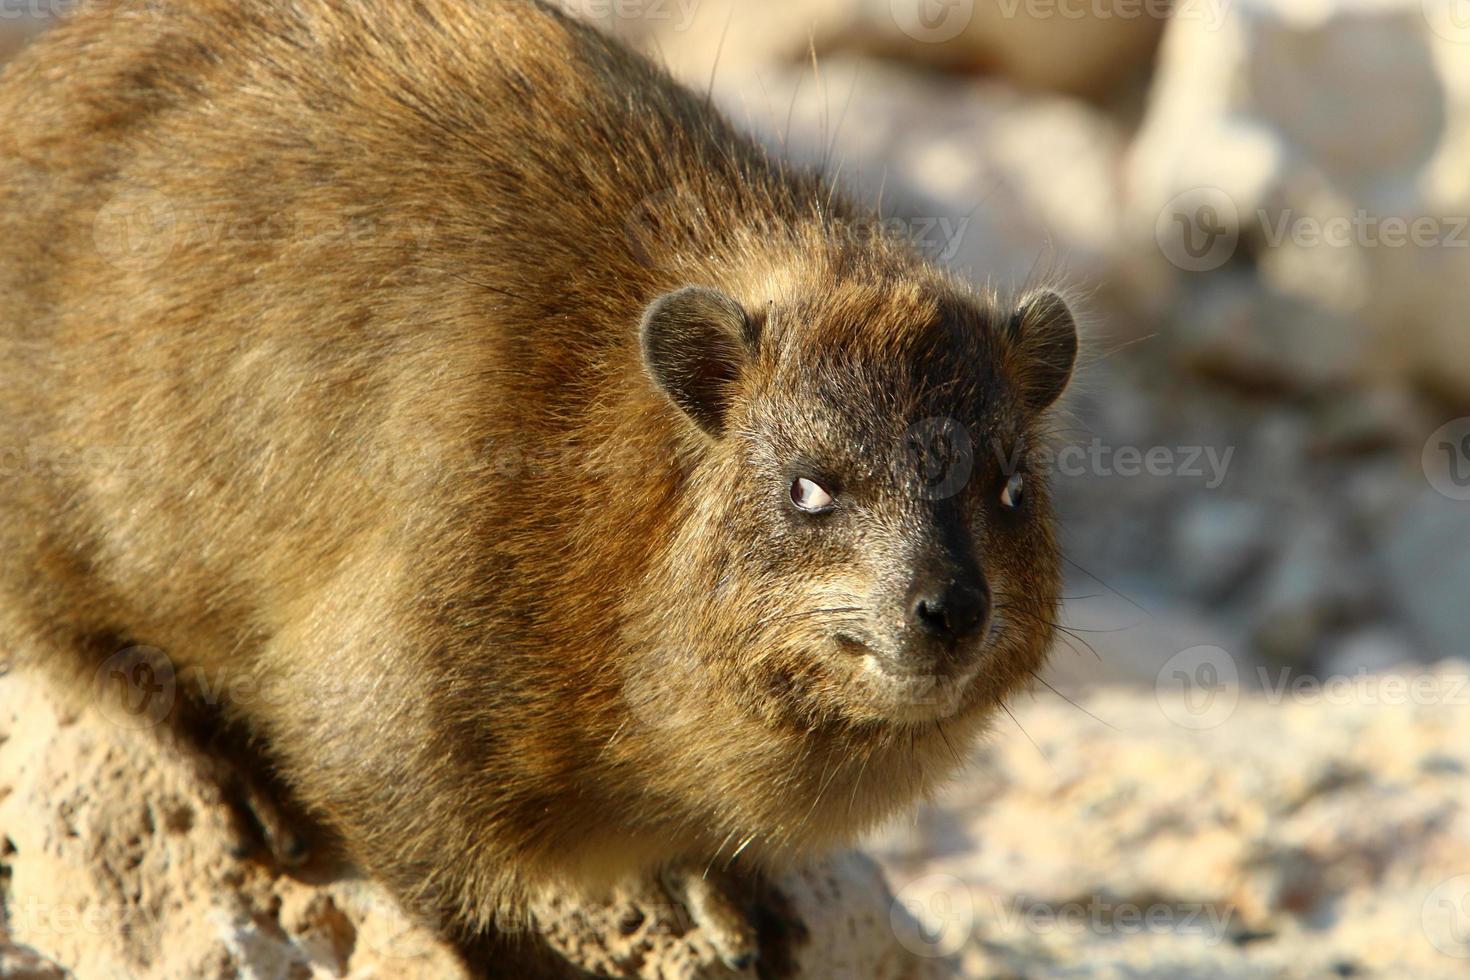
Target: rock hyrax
532,481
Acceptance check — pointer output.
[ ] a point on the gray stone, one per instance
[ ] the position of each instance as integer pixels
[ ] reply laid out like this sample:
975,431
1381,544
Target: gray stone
1426,552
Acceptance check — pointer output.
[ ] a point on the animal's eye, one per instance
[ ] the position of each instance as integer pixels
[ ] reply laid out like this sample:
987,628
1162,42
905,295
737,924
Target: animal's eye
809,496
1015,488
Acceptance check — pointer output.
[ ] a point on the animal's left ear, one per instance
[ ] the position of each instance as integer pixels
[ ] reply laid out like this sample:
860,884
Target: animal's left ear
696,342
1043,340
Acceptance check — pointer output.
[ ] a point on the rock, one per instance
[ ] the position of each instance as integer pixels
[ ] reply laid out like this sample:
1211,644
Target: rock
23,963
1236,329
1323,143
1087,49
1297,837
1370,650
1316,584
999,185
116,864
1426,553
1122,632
1106,842
1218,543
640,934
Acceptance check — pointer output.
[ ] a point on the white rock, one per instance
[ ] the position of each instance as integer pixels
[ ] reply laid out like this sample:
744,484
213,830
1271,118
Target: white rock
1328,137
999,185
1333,826
1081,47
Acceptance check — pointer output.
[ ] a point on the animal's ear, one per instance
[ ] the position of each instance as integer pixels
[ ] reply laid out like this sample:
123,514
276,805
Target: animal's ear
1043,338
695,342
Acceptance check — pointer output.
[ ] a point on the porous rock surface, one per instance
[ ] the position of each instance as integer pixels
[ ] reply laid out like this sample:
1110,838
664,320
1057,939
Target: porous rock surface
115,864
1304,829
1315,828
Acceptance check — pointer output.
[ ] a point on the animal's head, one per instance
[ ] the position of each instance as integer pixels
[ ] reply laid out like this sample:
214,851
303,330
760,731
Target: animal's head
862,539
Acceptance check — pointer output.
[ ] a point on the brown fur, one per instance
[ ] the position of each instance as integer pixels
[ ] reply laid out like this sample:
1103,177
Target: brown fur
365,433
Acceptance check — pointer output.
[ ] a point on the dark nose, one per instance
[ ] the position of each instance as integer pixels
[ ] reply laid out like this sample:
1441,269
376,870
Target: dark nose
951,611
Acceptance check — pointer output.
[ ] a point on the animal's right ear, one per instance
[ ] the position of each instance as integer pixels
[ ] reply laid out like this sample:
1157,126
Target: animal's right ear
1045,336
695,342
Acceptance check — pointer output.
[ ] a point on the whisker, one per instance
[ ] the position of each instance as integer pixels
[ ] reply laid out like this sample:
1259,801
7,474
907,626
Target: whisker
716,856
821,791
1043,621
611,739
743,845
486,286
1006,708
1064,598
1074,704
749,631
939,727
709,94
1105,585
852,800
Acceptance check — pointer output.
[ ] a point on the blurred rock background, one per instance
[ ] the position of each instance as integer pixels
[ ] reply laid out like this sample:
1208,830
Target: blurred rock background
1264,476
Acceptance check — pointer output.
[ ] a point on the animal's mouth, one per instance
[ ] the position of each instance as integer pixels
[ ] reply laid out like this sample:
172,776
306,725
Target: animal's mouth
901,692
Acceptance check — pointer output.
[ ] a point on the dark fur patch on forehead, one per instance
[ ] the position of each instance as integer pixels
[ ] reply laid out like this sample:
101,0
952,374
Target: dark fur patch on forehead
892,349
848,373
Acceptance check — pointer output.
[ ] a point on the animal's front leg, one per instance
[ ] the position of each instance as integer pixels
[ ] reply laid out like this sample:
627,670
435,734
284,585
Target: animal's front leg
721,905
691,915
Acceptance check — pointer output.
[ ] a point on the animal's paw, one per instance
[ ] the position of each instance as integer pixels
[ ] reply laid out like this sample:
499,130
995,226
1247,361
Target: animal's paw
718,903
260,808
257,817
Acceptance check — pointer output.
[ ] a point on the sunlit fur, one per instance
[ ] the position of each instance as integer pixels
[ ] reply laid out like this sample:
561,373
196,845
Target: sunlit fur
518,621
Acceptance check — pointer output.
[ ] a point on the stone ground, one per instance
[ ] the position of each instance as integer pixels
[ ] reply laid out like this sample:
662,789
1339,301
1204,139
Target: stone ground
1301,833
1189,832
115,863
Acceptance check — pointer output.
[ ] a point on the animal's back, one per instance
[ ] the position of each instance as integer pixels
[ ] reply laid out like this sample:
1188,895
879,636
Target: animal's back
271,271
309,378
